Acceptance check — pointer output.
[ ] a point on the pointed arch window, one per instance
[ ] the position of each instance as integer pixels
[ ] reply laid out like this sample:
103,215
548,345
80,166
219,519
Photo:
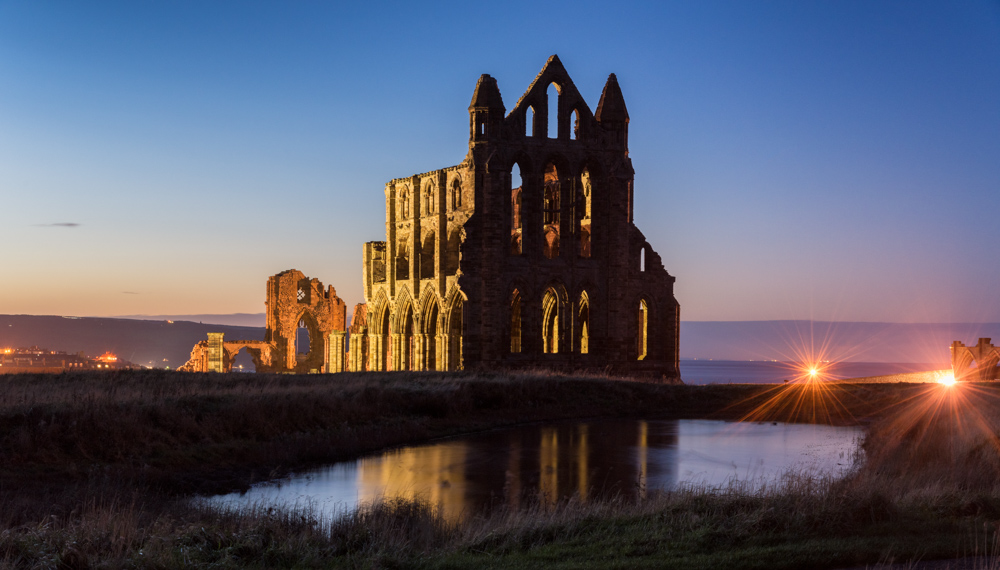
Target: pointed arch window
583,209
529,122
456,195
515,322
551,212
515,210
552,94
550,322
428,206
427,254
642,330
583,328
404,204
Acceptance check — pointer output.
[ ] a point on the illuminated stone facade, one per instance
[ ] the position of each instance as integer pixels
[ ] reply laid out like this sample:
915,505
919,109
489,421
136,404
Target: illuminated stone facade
293,301
480,270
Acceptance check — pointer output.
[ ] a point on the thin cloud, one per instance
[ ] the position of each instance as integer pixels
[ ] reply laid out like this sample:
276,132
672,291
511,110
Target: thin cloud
59,225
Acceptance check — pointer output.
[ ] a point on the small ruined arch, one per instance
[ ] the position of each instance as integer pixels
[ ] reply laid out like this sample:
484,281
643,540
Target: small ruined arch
529,121
551,211
243,358
642,329
428,251
552,93
642,258
574,132
582,328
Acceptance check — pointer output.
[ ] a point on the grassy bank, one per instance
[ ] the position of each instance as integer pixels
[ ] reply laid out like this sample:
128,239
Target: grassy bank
91,465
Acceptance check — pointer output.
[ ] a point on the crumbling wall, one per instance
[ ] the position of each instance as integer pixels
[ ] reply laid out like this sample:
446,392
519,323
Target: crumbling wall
480,271
292,299
980,362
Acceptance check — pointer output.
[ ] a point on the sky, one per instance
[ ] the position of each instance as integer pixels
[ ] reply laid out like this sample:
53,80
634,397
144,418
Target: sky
794,160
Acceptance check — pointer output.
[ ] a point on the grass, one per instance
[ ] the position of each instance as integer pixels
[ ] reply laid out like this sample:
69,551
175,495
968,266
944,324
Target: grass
94,470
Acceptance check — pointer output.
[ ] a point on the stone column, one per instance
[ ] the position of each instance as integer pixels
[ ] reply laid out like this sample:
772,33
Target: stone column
334,357
420,351
375,352
440,342
216,353
397,353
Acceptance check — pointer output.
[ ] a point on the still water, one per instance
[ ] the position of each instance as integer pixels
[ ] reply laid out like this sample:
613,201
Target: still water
550,462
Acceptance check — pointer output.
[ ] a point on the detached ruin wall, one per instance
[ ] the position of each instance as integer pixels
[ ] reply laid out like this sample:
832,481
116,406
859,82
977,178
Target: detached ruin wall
292,300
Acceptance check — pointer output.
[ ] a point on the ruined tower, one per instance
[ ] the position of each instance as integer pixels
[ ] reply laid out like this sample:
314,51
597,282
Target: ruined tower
480,269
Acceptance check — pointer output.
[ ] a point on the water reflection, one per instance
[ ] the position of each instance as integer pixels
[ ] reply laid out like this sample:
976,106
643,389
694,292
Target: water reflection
548,463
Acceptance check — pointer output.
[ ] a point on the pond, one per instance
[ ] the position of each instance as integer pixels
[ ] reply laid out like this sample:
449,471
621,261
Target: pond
549,462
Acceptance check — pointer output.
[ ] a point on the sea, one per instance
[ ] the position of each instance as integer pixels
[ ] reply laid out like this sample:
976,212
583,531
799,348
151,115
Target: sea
772,372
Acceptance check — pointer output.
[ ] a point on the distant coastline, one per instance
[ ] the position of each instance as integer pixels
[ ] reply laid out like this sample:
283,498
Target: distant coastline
166,340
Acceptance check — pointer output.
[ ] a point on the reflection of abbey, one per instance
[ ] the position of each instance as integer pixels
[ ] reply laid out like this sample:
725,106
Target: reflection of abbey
524,254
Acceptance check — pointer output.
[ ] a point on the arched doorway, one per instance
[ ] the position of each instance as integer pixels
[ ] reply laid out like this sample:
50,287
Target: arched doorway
550,322
515,322
455,331
406,339
431,335
583,326
642,330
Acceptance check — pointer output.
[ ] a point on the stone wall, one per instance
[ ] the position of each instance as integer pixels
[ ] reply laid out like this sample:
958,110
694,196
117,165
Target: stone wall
480,271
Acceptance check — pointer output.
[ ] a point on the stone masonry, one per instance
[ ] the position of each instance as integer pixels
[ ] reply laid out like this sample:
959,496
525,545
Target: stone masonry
478,270
293,301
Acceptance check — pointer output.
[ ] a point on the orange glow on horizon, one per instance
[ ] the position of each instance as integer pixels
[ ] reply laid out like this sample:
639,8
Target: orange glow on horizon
947,378
107,357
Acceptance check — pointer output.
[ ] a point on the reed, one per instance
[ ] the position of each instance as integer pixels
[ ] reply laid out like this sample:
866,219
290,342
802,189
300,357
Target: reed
93,469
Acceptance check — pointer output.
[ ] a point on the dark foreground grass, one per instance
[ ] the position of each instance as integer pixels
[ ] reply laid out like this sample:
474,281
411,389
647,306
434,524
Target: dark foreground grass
92,468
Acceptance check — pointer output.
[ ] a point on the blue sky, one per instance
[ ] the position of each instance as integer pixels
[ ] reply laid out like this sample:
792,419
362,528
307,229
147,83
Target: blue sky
794,160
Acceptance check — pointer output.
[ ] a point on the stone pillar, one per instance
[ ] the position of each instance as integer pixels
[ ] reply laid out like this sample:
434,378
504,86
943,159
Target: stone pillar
440,341
216,353
375,352
397,352
334,354
419,352
444,362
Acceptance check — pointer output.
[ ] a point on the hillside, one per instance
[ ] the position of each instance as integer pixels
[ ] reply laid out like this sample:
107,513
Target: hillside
149,343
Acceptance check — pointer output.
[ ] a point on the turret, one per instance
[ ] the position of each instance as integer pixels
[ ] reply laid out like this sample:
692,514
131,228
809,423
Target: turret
612,114
486,113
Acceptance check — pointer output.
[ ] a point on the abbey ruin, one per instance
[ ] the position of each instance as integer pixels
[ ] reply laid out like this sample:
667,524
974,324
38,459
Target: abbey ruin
293,301
523,255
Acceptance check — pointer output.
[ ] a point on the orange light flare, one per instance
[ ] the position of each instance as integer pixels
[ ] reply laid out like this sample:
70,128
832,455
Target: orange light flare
811,394
963,413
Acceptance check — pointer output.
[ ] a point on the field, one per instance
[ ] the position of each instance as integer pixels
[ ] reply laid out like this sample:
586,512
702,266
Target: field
95,470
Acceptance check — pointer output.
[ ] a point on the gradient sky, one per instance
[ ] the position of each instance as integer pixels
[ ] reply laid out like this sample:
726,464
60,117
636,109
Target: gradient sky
828,160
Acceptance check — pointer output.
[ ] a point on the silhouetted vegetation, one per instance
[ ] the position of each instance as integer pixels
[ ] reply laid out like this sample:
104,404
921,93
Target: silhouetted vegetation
95,470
